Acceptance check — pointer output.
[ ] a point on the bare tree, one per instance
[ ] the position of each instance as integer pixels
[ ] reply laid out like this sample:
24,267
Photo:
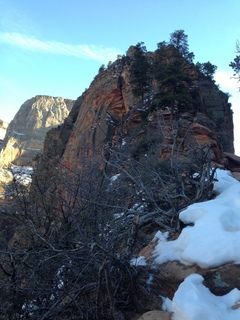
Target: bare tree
76,232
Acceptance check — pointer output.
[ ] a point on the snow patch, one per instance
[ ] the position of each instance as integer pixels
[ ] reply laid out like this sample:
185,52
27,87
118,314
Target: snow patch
140,261
193,301
214,238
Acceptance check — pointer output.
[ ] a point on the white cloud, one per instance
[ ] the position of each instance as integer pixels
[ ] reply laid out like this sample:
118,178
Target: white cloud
78,51
226,80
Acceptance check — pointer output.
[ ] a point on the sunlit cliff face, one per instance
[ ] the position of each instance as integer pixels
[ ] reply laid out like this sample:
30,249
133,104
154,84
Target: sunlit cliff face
26,133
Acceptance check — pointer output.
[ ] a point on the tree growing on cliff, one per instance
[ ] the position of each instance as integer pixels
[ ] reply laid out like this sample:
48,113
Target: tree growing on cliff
180,41
235,64
102,68
171,71
207,69
139,71
160,61
173,86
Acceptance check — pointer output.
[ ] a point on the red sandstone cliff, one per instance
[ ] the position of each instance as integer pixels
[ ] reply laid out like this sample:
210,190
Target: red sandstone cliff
109,107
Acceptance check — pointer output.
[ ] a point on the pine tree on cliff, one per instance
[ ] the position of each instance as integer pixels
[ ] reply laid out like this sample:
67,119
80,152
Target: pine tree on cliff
139,71
207,70
235,64
180,41
170,71
160,61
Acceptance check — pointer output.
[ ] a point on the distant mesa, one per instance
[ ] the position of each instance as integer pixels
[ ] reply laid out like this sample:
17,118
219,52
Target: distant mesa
24,137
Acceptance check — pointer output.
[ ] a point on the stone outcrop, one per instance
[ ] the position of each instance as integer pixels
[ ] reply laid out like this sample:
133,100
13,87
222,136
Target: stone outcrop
233,164
156,315
220,280
215,105
26,132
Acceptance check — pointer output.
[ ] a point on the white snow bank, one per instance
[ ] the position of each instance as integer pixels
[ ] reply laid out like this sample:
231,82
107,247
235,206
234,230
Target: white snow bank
214,239
193,301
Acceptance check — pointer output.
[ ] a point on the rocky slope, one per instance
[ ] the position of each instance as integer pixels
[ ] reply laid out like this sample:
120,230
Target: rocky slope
26,132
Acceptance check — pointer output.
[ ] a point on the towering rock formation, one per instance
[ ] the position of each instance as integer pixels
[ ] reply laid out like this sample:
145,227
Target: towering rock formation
26,132
108,112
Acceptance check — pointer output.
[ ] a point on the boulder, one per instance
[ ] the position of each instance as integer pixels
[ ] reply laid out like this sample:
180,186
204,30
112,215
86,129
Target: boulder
236,175
156,315
233,161
220,280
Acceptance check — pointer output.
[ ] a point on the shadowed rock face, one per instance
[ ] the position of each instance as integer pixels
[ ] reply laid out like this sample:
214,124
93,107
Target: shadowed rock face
26,132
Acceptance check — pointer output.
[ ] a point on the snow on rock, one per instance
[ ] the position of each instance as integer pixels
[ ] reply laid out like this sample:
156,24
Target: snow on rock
214,238
193,301
140,261
225,180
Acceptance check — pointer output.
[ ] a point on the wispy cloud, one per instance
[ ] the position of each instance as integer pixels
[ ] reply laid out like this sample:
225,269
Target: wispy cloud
78,51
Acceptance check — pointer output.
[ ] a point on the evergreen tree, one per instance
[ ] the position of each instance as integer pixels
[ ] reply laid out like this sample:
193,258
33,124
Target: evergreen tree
139,71
171,73
235,64
102,68
207,69
180,41
174,87
160,61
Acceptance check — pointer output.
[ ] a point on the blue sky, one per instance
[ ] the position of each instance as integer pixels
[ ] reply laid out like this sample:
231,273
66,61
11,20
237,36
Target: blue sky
55,47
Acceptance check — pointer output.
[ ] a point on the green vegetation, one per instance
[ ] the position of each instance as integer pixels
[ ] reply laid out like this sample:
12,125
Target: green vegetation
179,40
139,69
172,74
207,69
